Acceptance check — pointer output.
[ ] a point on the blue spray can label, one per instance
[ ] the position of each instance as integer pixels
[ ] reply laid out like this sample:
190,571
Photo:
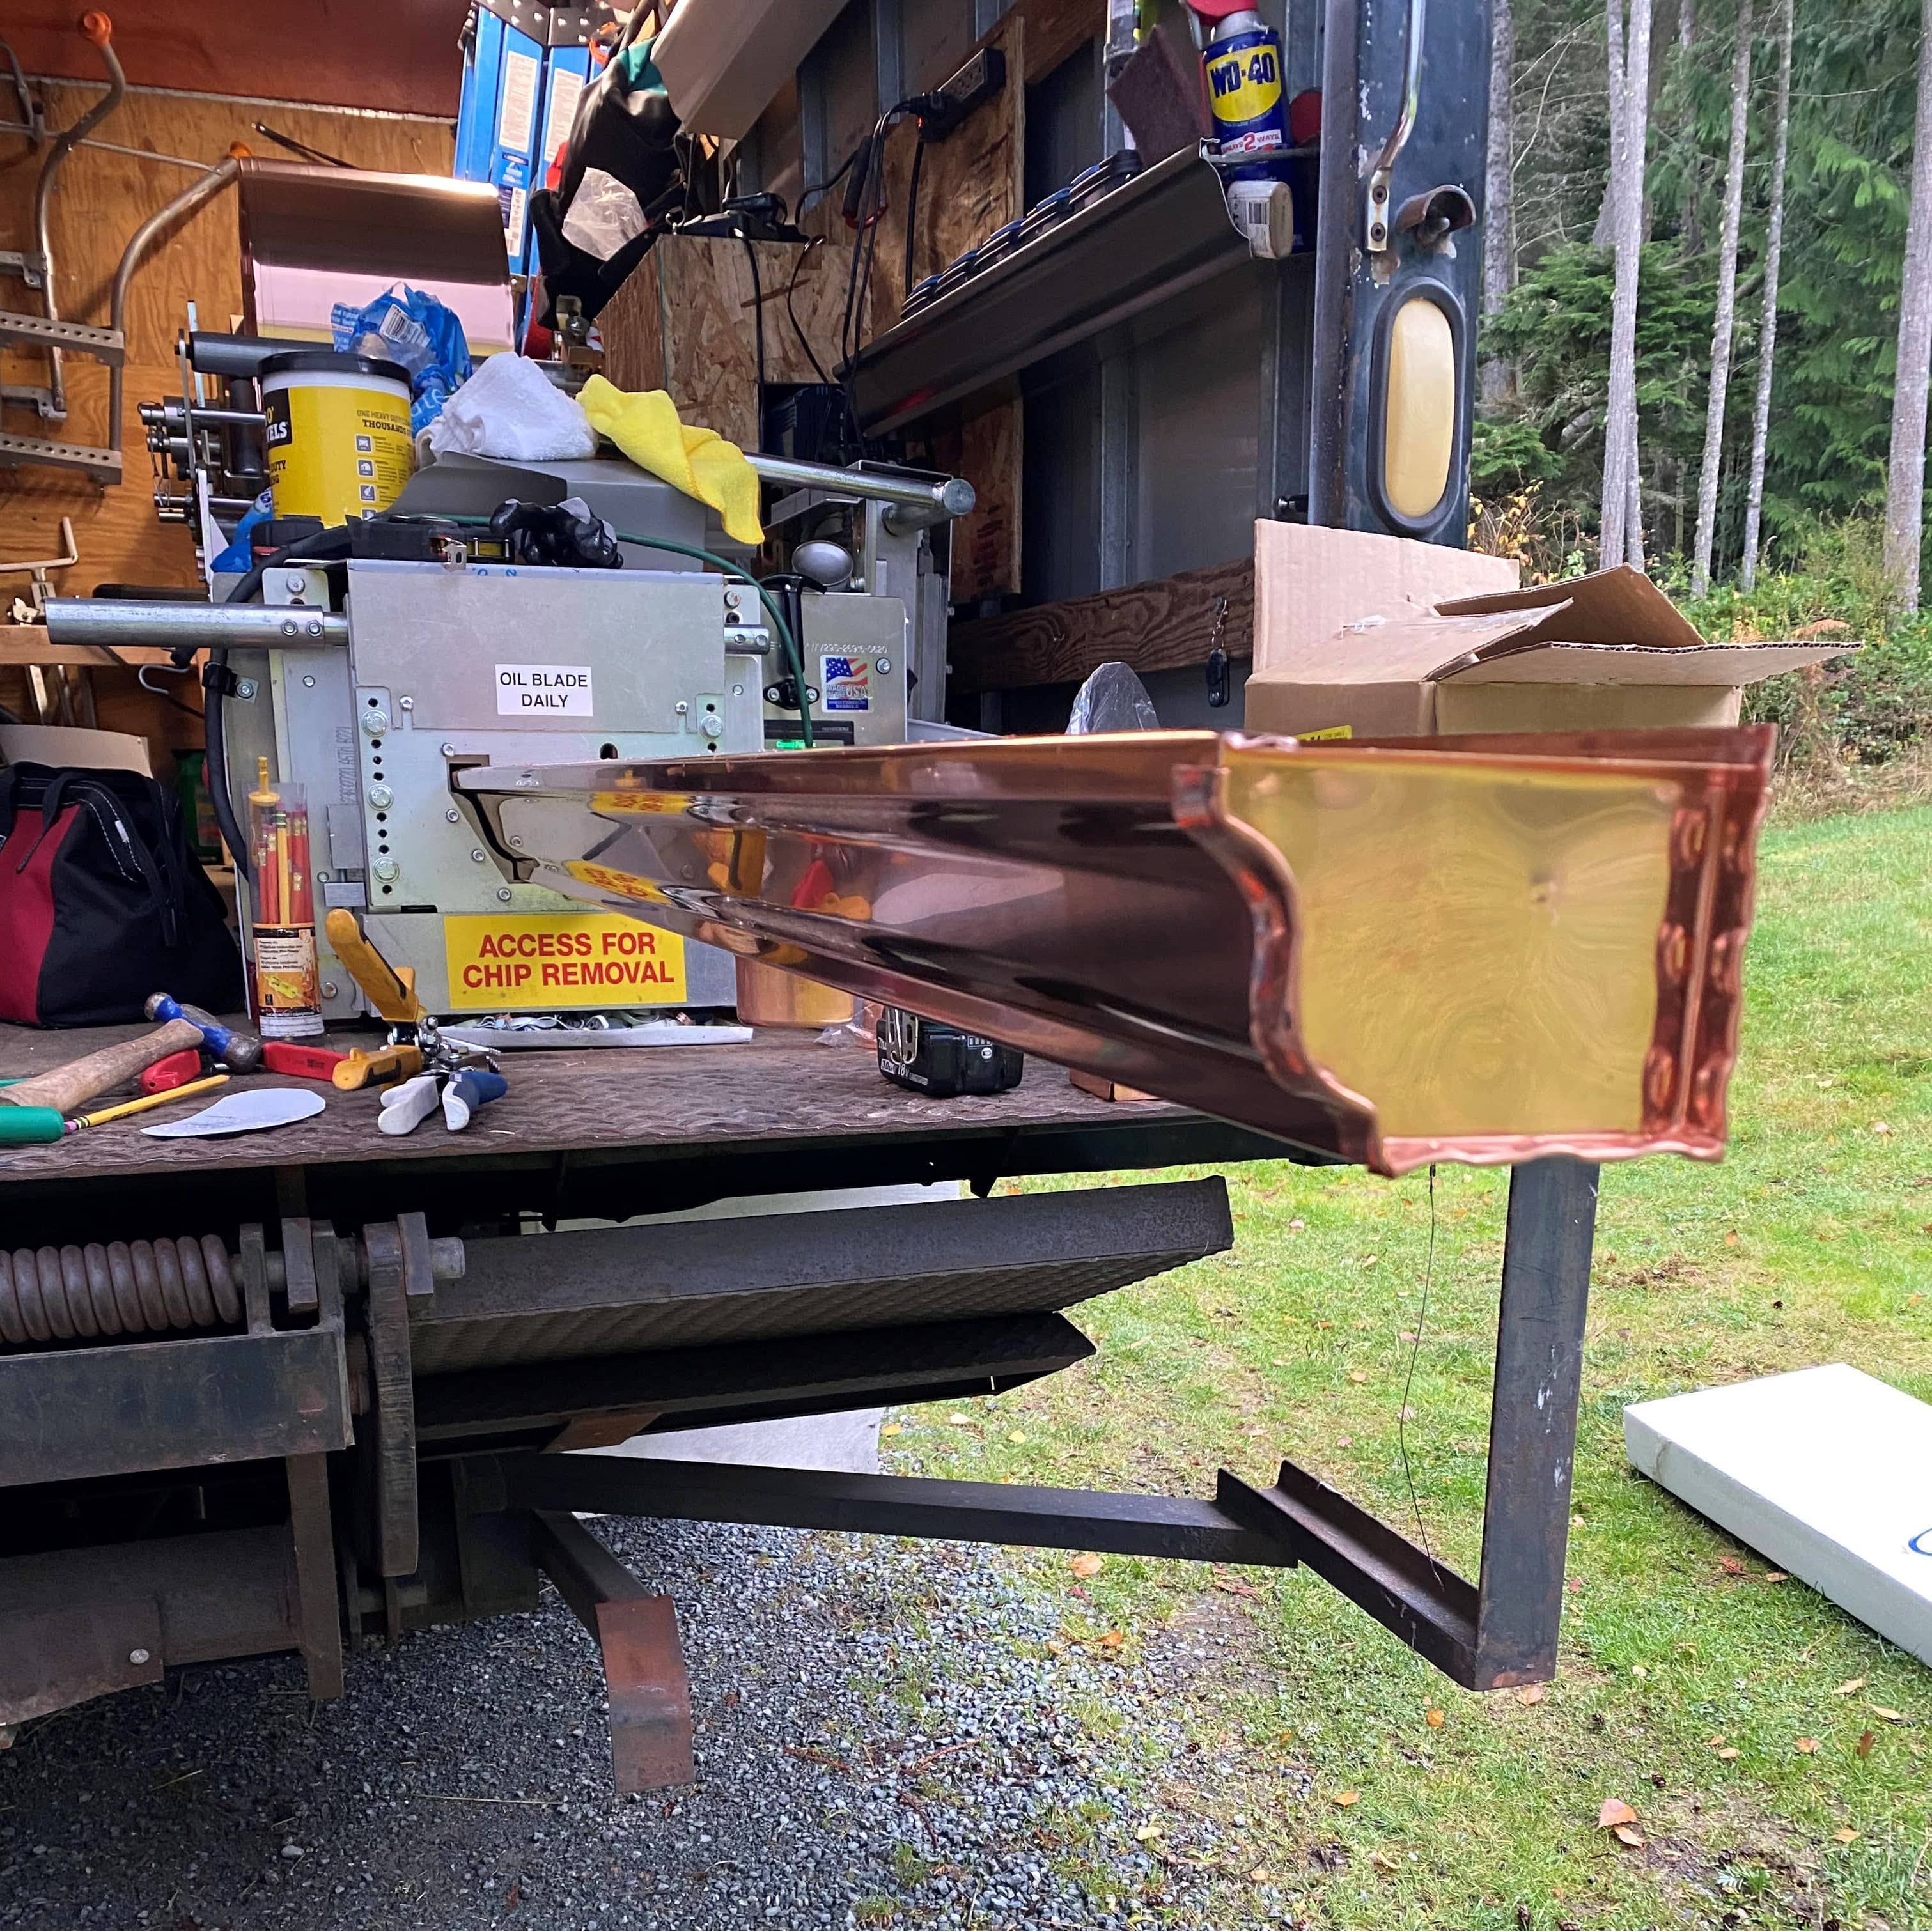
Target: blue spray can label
1243,62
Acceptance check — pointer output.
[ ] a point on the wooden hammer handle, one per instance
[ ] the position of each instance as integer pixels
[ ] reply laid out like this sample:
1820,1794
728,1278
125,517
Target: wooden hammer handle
79,1080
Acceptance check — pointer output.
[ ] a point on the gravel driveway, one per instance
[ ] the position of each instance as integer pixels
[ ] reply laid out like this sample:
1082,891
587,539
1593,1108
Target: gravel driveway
887,1734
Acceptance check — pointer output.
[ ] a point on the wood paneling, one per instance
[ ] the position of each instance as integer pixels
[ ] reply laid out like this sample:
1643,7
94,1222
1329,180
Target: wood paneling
346,53
100,199
1056,28
1167,624
683,322
986,450
970,183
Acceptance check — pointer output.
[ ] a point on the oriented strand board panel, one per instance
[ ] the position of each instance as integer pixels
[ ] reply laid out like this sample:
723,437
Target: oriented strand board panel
684,323
970,183
986,449
1826,1472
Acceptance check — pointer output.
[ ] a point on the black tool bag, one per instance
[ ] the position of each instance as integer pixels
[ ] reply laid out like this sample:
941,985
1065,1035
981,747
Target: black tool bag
100,904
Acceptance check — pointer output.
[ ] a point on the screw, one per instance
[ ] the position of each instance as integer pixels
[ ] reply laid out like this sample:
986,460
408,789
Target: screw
405,704
375,723
386,869
884,667
682,707
313,627
480,855
289,627
455,816
295,583
448,750
714,725
244,689
137,1656
502,895
381,796
516,845
322,878
329,988
737,690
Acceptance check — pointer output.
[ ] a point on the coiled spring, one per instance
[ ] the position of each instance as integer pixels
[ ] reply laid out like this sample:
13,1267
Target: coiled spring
137,1287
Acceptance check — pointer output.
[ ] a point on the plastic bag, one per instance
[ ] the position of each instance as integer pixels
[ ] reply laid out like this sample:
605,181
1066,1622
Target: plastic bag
417,332
1112,699
604,214
510,409
239,556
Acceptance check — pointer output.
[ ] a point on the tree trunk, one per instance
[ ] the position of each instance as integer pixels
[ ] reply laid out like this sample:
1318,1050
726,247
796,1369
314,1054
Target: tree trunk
1767,334
1498,188
1905,476
1622,526
1725,323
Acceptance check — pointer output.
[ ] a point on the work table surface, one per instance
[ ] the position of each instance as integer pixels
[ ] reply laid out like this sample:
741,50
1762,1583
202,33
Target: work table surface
776,1088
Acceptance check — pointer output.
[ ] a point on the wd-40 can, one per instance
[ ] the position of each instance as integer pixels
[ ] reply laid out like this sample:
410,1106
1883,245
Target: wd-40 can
1242,61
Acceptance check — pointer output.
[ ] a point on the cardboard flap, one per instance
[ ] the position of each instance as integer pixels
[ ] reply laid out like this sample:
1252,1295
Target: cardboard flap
1713,665
1313,584
1617,606
1388,650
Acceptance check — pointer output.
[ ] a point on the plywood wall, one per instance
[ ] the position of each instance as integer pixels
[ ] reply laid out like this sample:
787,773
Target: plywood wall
684,322
100,199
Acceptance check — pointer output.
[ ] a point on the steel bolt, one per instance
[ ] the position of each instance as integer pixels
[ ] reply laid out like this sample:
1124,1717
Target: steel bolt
682,707
448,750
329,988
381,796
714,725
137,1656
375,723
480,856
290,628
405,704
386,869
737,690
517,844
883,666
308,683
502,895
313,627
244,689
453,816
295,583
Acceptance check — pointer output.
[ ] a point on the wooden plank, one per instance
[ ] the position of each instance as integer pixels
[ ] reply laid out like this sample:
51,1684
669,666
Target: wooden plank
684,322
27,643
1056,29
1167,624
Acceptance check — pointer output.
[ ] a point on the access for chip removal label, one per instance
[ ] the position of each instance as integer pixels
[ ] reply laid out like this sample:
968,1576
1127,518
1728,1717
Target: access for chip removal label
544,959
544,691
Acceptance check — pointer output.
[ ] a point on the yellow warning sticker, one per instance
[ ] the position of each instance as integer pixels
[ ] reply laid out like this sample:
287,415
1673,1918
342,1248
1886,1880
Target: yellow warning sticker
1330,731
559,959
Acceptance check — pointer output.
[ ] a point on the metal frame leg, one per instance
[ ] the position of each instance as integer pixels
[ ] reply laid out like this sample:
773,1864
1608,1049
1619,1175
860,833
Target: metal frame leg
651,1745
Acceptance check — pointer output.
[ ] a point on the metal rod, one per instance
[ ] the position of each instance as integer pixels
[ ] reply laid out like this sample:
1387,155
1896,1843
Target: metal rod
143,238
117,87
1379,183
172,415
108,622
950,497
1121,1525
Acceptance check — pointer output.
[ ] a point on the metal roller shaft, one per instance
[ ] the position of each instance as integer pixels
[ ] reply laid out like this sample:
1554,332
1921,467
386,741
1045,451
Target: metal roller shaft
120,625
141,1286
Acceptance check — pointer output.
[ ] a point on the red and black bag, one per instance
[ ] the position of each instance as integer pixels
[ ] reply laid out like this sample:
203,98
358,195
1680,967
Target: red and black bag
100,904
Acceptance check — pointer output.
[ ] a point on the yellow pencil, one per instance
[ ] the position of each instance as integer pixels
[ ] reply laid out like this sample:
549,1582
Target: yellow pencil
141,1105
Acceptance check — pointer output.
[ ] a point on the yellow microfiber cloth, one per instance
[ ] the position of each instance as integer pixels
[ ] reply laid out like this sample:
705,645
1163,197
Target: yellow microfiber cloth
699,462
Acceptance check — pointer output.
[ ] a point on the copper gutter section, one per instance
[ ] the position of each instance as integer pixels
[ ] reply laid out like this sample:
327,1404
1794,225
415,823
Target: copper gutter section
1481,949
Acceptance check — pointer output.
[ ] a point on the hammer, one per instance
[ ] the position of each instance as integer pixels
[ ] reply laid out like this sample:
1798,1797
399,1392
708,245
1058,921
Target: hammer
240,1052
68,1087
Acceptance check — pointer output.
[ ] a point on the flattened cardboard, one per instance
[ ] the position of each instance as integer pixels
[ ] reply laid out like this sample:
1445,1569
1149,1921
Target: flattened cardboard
1310,581
1608,652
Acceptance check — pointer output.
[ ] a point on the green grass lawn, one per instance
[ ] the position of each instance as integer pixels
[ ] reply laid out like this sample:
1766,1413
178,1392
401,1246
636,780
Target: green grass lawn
1776,1752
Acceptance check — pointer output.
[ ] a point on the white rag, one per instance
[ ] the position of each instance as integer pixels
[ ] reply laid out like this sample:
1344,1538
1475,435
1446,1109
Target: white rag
509,408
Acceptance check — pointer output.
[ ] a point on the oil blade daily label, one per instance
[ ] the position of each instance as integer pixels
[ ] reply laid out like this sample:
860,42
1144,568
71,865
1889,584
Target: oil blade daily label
544,691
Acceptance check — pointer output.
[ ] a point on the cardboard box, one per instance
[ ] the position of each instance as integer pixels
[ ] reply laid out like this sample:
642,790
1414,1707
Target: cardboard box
1608,652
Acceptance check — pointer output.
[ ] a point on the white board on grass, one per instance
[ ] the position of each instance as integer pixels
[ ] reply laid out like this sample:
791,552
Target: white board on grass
1826,1472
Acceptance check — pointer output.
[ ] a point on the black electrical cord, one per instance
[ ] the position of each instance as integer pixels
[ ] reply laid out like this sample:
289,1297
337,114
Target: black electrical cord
912,216
757,337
